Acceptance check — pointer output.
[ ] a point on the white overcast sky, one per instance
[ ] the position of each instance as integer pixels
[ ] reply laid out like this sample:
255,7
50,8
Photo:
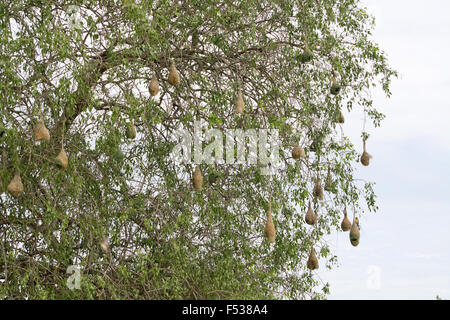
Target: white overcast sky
406,244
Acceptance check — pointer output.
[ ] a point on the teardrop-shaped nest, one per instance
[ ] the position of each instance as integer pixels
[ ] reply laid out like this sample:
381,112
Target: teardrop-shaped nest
197,179
354,234
270,228
174,75
40,132
346,224
15,187
335,88
239,103
365,158
131,131
318,190
298,152
313,262
61,159
153,88
310,217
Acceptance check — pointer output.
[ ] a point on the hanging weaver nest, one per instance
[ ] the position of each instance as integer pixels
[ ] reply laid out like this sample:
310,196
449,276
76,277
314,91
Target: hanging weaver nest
365,157
335,87
313,262
197,179
61,159
174,75
354,233
298,152
15,187
270,227
239,103
40,132
311,216
153,88
346,224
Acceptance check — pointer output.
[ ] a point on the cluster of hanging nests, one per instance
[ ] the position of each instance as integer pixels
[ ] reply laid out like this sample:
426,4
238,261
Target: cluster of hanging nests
297,153
311,218
41,133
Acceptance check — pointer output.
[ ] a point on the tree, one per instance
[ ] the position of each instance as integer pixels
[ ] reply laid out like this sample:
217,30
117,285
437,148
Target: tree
124,211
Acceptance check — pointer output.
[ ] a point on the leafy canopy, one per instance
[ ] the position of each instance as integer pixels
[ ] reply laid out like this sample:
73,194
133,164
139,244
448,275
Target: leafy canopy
86,67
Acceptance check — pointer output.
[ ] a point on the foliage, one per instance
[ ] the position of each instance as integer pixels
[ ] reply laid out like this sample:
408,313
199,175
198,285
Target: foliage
88,74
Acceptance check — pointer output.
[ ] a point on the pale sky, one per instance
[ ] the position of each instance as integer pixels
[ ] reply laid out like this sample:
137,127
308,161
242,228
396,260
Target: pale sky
406,244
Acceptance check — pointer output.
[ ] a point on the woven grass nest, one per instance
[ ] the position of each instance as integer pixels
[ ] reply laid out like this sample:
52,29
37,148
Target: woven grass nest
153,88
270,227
174,75
311,216
365,157
313,262
15,187
197,179
335,87
346,224
298,152
61,159
40,132
239,103
354,233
